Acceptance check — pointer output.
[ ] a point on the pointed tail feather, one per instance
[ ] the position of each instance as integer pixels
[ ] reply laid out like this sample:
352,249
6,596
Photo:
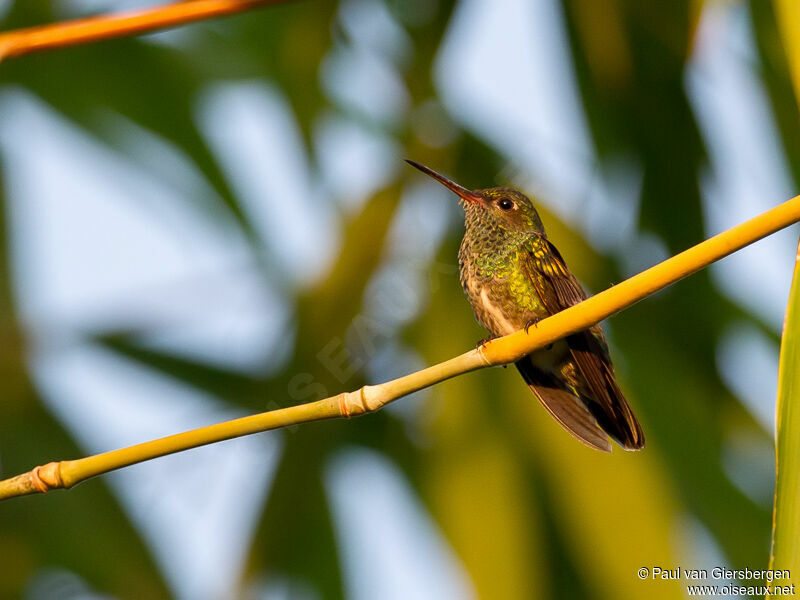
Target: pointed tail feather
602,394
566,408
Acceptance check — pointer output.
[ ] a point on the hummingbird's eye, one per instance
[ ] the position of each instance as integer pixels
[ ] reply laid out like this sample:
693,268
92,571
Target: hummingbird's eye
505,204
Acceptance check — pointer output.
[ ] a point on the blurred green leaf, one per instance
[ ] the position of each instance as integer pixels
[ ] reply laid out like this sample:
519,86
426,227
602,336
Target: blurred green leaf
785,542
776,75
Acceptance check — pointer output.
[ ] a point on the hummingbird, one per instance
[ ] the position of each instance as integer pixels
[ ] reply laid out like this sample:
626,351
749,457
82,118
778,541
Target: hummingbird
514,277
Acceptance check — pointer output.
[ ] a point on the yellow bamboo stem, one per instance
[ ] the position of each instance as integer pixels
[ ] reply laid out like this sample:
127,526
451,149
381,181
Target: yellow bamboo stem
93,29
785,551
370,398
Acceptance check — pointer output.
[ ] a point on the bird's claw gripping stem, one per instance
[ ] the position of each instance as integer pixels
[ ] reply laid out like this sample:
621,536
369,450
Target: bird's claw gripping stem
532,323
483,341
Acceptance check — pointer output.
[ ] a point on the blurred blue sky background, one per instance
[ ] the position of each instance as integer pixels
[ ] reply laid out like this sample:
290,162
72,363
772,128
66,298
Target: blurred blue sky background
106,236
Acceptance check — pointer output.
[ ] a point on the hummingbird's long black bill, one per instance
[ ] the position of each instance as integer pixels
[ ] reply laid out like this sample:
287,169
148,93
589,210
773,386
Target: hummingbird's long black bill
463,192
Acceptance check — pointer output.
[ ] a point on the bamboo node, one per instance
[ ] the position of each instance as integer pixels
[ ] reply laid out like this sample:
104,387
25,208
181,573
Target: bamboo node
483,356
353,404
364,400
51,474
37,482
47,477
344,406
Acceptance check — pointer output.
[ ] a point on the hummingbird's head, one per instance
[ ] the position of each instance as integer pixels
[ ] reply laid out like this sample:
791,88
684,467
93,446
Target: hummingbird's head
500,209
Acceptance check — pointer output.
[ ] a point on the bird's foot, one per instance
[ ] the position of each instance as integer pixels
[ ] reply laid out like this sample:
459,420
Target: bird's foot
532,323
485,340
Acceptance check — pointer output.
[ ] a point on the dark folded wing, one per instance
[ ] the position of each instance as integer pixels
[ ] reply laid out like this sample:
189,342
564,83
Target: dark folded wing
558,289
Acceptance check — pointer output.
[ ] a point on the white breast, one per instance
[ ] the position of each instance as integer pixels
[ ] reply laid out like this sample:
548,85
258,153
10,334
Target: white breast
501,324
547,359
